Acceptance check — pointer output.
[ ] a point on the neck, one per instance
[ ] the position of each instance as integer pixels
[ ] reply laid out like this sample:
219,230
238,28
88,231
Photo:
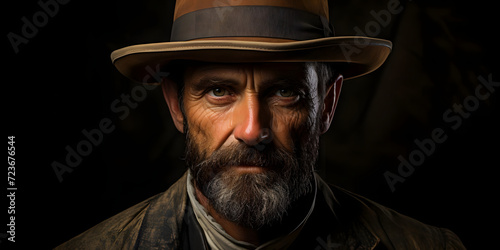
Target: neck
258,236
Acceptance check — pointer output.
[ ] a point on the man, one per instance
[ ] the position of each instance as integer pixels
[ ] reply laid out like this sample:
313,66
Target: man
253,84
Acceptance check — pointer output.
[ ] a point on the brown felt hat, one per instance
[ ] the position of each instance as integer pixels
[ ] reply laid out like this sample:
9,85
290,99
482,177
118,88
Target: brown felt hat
245,31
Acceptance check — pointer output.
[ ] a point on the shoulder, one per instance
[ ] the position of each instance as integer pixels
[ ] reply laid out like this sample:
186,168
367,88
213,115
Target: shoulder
123,230
107,233
396,230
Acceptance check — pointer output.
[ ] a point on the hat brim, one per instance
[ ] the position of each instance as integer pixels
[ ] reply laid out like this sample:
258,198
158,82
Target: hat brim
358,55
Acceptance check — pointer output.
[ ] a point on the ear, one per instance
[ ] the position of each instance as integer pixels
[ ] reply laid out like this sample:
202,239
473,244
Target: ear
330,103
170,92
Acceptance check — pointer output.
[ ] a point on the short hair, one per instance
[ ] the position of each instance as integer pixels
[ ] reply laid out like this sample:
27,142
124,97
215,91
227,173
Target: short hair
327,74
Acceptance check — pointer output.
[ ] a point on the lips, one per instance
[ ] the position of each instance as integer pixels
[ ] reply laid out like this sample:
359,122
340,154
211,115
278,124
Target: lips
251,159
249,168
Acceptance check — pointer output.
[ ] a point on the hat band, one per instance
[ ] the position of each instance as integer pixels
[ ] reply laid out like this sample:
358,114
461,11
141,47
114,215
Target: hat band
250,21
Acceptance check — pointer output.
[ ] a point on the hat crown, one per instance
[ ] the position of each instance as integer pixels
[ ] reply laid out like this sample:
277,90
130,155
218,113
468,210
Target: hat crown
286,20
318,7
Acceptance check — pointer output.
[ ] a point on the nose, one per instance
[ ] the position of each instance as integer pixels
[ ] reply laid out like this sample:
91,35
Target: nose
252,122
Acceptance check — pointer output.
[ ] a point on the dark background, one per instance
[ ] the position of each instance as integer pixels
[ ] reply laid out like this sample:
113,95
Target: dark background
62,82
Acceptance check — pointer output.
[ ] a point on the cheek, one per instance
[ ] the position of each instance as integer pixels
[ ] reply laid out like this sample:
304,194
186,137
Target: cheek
208,127
290,126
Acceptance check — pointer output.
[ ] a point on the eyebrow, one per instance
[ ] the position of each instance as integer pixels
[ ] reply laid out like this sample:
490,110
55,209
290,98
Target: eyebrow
298,85
285,82
209,82
213,81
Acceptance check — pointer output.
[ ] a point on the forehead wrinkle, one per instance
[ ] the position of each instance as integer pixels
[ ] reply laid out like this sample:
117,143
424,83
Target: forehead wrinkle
217,72
282,70
282,75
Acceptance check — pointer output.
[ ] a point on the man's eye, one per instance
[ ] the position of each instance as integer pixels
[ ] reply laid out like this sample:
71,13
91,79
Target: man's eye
218,92
285,93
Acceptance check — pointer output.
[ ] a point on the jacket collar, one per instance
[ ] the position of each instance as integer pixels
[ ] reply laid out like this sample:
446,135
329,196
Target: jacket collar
336,222
163,220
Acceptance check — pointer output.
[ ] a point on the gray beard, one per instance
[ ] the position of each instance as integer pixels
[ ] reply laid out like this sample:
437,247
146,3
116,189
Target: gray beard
251,200
254,200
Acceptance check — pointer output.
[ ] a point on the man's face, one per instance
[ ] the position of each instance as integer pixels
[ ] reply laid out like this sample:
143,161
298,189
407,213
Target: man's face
252,136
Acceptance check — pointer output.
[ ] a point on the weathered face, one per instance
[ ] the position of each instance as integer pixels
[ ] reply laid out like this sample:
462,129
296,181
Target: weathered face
227,104
252,136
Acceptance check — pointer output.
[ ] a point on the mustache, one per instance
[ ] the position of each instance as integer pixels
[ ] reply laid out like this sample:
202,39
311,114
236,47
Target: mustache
274,159
240,154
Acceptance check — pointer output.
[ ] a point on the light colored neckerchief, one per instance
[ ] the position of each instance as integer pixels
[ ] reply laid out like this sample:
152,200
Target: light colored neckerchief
218,239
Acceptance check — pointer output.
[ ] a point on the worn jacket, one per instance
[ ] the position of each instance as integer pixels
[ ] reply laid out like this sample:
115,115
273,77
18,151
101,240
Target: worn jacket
341,220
